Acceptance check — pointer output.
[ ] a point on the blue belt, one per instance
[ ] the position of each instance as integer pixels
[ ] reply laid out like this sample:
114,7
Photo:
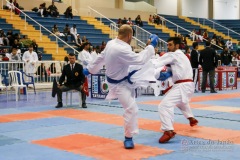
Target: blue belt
110,80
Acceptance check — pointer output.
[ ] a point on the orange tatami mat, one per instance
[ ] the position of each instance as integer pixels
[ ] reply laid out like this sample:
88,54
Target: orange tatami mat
100,148
23,116
147,124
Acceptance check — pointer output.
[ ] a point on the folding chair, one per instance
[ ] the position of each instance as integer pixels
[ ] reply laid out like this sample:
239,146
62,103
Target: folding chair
16,81
71,92
28,83
3,86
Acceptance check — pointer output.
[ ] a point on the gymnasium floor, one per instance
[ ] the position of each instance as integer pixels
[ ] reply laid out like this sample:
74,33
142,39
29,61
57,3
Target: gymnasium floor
35,130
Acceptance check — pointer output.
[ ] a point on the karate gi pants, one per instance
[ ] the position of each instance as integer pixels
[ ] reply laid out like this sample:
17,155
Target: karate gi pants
178,96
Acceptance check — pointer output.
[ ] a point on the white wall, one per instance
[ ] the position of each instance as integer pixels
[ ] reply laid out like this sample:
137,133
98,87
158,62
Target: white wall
167,7
139,6
225,9
195,8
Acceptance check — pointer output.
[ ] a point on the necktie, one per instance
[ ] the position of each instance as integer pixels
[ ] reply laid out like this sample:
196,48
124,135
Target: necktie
72,67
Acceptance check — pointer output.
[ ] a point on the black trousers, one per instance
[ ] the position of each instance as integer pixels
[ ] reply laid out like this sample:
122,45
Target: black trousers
211,79
65,88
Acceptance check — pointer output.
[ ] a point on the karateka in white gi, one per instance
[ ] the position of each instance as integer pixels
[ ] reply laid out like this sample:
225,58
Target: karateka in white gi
84,57
30,58
180,93
118,57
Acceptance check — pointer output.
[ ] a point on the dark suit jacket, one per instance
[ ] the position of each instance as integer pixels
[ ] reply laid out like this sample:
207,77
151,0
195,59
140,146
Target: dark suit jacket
194,59
75,77
208,59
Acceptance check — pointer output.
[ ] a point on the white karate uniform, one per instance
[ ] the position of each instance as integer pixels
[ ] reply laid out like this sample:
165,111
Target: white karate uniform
84,58
180,94
32,59
73,32
94,55
118,57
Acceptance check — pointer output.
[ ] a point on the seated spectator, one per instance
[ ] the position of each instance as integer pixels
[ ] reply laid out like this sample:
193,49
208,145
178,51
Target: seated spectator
68,13
52,10
235,56
10,5
5,40
205,35
10,37
194,35
119,22
229,44
16,5
16,44
156,20
35,46
55,30
13,6
79,41
124,21
84,39
41,71
43,10
150,19
138,21
73,32
129,22
66,32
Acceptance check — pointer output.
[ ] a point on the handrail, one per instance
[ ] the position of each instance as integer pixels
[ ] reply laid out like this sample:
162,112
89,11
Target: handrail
100,14
41,26
219,25
115,24
184,29
149,33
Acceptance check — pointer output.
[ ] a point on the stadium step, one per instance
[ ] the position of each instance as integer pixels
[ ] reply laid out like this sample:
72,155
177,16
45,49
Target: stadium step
209,29
172,33
32,33
97,24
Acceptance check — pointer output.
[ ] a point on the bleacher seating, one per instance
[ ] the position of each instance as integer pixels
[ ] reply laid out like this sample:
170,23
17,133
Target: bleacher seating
6,27
146,26
95,36
231,24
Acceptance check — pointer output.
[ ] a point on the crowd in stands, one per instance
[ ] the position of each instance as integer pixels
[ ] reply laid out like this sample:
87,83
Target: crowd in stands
13,6
156,20
138,21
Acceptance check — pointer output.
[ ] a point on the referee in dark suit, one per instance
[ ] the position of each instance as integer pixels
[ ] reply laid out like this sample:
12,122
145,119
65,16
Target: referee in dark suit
208,61
75,79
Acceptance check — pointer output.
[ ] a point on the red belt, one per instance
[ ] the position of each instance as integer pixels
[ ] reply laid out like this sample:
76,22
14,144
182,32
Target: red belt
179,81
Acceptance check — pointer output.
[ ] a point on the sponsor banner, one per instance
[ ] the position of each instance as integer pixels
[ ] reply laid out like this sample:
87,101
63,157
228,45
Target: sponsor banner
99,86
231,79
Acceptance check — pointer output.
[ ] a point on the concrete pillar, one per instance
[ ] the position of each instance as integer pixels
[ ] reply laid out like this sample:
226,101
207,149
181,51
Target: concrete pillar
210,9
119,4
179,7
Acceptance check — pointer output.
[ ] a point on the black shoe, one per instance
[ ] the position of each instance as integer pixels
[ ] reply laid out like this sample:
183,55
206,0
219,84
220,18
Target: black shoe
203,91
59,105
213,91
84,105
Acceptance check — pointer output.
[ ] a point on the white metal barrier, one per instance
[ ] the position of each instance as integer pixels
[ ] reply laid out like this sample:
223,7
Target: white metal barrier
44,71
